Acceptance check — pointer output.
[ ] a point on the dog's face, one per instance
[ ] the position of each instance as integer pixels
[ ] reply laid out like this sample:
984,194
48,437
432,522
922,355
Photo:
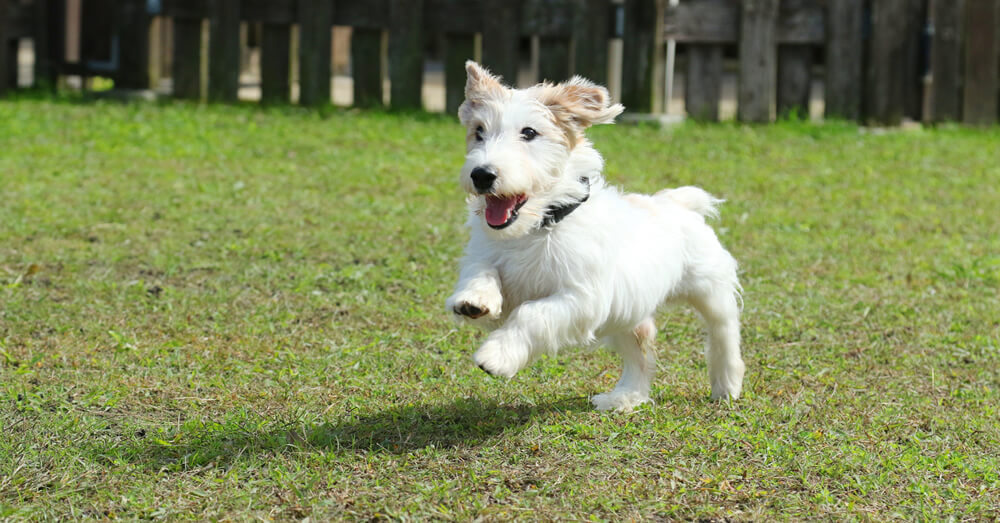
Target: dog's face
519,143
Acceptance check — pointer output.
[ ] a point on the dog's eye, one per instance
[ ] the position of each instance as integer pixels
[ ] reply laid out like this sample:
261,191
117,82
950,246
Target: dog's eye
479,133
528,134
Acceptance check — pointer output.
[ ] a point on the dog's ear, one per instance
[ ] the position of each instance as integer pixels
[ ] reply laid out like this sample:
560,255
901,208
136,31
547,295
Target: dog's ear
479,82
480,85
580,103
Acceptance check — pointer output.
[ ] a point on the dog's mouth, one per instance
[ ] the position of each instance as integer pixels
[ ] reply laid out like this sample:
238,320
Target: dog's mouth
501,211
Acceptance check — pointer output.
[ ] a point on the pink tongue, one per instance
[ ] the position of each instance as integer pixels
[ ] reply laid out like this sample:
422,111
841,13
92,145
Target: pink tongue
498,209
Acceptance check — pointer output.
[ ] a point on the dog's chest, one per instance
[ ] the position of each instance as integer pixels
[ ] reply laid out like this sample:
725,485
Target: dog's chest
534,269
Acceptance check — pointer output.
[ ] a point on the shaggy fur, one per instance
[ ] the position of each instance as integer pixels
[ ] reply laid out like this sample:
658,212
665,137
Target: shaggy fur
599,274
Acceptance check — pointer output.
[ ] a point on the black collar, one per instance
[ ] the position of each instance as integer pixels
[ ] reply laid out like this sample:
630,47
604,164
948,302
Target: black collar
555,213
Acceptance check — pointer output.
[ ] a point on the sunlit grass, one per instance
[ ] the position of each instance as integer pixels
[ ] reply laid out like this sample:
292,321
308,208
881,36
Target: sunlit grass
228,312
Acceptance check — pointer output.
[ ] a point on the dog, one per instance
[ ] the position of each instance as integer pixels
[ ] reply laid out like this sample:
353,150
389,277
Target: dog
556,257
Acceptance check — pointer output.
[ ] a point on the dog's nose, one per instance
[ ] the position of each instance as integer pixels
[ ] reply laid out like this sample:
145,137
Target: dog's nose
483,178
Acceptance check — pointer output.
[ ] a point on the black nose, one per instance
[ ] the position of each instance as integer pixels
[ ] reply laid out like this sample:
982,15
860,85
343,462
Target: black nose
483,178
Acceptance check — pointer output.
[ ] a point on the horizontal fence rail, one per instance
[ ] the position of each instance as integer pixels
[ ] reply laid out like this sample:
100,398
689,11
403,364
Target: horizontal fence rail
877,61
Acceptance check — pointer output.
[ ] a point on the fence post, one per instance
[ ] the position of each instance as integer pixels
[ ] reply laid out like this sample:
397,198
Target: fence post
703,81
758,60
275,63
637,58
553,58
794,80
946,60
500,39
224,51
406,53
315,27
457,49
366,66
186,72
49,40
133,71
6,57
844,58
590,40
982,43
894,84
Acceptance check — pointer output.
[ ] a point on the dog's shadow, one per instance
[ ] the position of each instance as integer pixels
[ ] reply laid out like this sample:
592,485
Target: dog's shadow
464,422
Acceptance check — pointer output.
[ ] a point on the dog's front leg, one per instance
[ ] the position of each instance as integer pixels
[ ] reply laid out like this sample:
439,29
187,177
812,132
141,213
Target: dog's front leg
533,328
477,294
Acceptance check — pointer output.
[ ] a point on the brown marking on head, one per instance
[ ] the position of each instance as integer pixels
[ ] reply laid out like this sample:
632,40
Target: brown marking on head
577,104
480,86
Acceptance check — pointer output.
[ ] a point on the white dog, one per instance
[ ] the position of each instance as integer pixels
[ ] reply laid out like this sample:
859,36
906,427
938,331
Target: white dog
558,258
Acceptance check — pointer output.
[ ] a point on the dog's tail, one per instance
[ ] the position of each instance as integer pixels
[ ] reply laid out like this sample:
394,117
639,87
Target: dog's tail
694,199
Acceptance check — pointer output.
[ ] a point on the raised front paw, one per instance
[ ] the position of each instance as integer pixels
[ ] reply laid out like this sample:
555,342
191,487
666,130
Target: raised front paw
474,305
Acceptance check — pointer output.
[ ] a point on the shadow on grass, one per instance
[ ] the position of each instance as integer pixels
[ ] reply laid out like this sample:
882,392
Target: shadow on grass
462,423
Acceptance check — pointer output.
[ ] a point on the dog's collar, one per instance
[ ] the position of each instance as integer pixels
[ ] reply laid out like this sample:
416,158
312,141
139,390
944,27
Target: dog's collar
555,213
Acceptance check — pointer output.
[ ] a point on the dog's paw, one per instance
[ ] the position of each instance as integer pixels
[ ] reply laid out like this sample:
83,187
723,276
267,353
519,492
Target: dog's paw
727,381
723,393
620,401
474,305
497,360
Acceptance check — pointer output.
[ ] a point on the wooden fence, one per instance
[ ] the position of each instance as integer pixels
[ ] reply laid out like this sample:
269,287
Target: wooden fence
885,60
879,60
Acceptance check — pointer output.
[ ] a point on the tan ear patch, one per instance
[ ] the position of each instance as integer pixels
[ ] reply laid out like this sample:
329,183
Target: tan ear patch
578,104
479,82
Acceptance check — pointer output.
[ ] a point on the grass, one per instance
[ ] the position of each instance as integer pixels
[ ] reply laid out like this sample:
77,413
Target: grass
225,312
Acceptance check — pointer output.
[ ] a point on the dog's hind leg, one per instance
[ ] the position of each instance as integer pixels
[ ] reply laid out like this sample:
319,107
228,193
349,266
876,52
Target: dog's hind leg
639,359
719,307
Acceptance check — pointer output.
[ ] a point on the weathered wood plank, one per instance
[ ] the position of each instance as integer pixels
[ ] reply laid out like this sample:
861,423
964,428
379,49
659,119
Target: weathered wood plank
366,66
590,39
20,19
365,14
275,63
637,59
548,18
97,19
406,53
703,81
315,32
553,59
794,80
186,8
458,16
758,61
946,60
133,71
894,86
844,58
224,51
705,21
458,49
50,41
982,65
6,56
186,72
9,71
501,32
269,11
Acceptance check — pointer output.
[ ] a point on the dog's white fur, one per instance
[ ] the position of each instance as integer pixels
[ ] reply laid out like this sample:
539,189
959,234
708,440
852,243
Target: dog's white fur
600,273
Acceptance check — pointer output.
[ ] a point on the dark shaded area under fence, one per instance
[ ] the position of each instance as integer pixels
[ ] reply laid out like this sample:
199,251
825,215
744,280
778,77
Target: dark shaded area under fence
879,60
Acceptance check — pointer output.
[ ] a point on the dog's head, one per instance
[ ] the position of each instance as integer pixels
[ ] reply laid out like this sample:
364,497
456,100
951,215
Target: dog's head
526,151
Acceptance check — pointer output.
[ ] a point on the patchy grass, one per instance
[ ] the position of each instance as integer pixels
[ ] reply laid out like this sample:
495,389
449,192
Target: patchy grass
224,312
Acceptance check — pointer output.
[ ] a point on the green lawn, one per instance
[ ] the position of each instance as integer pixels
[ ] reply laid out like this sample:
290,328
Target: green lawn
228,312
